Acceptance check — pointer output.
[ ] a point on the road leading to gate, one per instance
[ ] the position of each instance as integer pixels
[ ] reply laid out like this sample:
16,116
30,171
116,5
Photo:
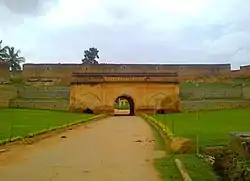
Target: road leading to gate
113,149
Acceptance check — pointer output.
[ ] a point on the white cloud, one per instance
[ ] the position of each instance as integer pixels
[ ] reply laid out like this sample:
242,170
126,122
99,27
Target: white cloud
76,13
142,31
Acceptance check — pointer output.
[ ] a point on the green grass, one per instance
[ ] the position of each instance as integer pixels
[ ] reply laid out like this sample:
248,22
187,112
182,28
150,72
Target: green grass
213,127
167,168
196,167
159,141
21,122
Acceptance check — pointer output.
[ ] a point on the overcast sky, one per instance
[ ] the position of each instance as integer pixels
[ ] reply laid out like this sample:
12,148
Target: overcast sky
129,31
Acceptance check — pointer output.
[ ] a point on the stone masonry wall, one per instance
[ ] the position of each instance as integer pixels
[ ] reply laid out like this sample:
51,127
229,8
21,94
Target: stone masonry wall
43,92
42,97
57,98
209,97
62,72
51,104
7,92
200,93
46,97
4,73
213,104
51,97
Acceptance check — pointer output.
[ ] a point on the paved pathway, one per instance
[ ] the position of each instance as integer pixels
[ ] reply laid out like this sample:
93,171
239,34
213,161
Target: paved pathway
113,149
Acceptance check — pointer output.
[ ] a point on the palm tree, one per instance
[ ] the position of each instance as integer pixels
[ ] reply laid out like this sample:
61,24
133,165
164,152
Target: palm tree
2,52
13,58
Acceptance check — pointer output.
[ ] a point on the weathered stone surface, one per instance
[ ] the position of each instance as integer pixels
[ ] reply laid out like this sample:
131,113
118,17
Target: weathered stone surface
148,98
185,71
182,145
4,73
101,97
240,143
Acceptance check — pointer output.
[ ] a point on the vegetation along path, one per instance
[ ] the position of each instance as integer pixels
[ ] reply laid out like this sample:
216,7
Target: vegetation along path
115,148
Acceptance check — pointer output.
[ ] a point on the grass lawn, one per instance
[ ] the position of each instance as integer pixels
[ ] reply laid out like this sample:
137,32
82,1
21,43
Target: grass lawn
213,127
197,168
167,168
25,121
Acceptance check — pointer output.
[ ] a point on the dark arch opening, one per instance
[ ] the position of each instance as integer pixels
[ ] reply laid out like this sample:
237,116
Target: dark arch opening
88,111
130,107
160,111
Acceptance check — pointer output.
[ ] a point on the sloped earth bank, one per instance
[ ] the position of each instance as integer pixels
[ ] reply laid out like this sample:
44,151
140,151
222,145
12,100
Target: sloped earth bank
116,148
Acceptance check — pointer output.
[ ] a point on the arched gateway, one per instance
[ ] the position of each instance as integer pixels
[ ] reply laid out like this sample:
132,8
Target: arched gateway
145,92
127,105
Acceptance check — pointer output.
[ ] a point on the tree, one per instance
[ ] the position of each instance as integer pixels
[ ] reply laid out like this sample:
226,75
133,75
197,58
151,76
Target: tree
3,54
13,58
90,56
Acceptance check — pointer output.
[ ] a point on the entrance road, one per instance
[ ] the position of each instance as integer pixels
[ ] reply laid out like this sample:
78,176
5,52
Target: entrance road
112,149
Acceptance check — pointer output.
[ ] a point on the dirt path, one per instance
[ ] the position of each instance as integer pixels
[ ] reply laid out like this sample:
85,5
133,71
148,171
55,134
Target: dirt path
113,149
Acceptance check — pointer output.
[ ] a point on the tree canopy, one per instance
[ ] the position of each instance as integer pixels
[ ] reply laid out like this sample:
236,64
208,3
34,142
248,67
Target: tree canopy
11,56
2,52
90,56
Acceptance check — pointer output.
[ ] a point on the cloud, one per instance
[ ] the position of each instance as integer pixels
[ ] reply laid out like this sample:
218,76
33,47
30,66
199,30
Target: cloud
131,31
30,7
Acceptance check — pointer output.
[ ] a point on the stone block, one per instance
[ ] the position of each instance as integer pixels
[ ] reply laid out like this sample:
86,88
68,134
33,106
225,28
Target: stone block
240,143
182,145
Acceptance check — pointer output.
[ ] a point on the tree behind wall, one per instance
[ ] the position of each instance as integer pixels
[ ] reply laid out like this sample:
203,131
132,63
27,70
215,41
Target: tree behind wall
90,56
2,52
13,58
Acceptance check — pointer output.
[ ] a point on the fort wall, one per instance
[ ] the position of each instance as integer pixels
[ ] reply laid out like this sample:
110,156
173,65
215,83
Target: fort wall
195,105
201,93
42,97
243,72
43,92
62,72
147,97
214,96
58,97
4,73
50,104
7,92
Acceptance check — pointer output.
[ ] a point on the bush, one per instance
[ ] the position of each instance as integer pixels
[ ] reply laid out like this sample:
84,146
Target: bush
230,165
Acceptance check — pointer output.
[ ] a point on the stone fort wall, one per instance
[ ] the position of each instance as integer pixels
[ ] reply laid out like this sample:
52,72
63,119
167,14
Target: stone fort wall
212,97
42,97
4,73
62,72
7,92
57,97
